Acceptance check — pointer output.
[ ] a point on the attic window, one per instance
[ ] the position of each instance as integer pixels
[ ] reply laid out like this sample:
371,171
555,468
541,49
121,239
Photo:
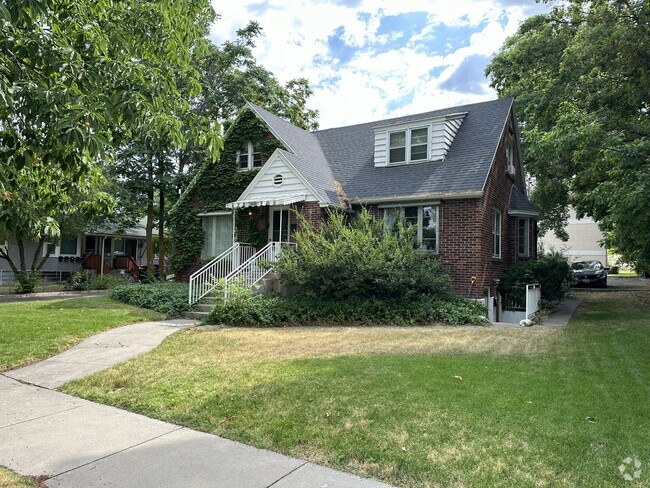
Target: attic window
408,145
277,180
249,156
510,158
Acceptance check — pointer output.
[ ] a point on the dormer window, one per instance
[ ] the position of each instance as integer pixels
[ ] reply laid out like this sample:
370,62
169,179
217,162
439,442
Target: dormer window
249,156
416,141
409,145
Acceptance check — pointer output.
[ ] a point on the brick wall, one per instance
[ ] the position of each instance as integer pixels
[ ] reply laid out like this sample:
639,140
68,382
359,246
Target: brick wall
311,211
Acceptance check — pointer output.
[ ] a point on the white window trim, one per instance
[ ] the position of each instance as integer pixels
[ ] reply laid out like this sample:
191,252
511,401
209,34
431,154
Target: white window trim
57,249
5,246
497,231
420,221
250,158
407,149
510,158
526,252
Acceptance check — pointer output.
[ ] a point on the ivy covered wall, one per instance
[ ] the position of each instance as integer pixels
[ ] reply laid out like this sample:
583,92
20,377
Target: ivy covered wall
215,185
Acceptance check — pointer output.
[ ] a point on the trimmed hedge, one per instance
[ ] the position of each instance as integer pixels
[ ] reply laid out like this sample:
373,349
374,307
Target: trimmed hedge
168,298
273,310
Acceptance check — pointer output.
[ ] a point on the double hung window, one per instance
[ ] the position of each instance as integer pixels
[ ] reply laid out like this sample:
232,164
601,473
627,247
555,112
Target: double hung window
423,218
408,145
249,156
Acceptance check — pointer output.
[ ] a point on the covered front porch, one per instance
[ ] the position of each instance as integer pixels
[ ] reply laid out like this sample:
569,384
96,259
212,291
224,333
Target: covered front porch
240,243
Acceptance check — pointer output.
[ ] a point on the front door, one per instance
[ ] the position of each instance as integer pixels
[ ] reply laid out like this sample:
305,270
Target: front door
279,230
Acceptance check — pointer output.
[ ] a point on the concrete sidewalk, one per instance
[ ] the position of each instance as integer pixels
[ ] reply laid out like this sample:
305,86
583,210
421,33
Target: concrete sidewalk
78,443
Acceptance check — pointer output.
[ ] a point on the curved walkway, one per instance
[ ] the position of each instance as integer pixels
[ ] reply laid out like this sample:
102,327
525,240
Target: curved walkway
78,443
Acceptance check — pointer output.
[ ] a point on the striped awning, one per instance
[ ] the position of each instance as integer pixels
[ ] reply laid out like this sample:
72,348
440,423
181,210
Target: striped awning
268,201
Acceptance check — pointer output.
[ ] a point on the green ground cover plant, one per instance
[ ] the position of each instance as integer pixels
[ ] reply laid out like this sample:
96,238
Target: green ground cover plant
272,310
34,330
415,406
168,298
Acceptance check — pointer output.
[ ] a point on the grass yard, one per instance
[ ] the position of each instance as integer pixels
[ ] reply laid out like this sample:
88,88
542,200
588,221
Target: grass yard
9,479
34,330
416,407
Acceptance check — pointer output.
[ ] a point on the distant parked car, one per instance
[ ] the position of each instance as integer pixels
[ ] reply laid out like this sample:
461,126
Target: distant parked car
589,273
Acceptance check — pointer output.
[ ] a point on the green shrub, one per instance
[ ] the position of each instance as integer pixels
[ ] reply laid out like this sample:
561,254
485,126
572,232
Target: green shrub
360,260
552,271
168,298
272,310
108,282
27,281
79,280
83,279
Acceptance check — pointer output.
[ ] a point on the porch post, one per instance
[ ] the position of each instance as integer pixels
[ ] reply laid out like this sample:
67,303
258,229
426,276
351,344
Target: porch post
234,226
101,260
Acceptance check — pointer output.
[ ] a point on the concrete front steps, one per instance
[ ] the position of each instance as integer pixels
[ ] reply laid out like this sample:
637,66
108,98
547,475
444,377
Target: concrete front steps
202,309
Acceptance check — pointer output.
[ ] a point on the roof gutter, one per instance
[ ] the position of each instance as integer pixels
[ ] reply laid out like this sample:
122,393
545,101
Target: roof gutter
417,198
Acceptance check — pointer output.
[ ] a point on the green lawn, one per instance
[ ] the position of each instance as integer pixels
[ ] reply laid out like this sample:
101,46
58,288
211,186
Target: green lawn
9,479
30,331
417,407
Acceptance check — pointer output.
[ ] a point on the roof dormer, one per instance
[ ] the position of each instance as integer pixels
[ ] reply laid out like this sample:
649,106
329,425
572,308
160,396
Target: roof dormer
417,141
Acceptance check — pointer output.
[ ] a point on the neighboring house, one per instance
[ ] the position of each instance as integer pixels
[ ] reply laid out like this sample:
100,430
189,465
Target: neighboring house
584,242
121,251
455,174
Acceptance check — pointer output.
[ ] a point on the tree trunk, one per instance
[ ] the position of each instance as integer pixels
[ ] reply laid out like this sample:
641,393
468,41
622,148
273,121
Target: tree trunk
5,255
149,229
36,264
161,232
21,254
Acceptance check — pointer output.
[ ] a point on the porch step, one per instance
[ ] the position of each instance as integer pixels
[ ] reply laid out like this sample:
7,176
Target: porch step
195,315
204,307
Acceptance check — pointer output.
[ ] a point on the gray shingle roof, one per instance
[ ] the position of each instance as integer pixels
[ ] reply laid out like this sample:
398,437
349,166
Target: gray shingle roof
520,205
346,154
309,159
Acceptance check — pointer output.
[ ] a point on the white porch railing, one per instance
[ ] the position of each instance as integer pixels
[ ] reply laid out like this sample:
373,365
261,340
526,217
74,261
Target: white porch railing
207,278
253,270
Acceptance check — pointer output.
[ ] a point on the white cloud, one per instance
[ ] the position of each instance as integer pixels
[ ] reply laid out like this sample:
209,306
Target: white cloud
296,33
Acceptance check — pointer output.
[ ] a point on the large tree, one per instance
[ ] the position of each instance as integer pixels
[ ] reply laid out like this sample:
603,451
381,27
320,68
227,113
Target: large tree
581,78
81,78
230,75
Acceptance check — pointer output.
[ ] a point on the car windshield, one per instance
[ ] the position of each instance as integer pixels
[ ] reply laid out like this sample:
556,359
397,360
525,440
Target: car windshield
586,265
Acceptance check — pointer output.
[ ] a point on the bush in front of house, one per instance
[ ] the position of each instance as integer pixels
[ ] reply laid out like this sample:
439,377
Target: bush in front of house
360,260
273,310
552,271
27,281
168,298
83,279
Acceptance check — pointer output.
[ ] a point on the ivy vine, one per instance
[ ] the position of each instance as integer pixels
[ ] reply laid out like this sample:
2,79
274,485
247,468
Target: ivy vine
215,185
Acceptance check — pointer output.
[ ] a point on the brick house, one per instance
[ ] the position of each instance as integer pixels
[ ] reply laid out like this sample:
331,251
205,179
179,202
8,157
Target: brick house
455,174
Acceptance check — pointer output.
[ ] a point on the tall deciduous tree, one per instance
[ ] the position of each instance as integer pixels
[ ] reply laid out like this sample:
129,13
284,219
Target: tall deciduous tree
581,78
230,75
80,78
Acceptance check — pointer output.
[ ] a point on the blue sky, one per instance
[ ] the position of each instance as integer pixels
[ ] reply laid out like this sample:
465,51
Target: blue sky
368,59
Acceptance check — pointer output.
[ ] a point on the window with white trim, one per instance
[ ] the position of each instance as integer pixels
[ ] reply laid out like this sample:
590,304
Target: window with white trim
408,145
523,231
69,246
496,234
218,235
425,218
510,158
249,156
4,247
